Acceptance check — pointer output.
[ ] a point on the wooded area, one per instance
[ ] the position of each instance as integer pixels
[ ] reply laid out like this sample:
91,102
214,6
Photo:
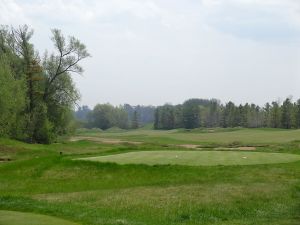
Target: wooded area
196,113
193,113
105,116
37,93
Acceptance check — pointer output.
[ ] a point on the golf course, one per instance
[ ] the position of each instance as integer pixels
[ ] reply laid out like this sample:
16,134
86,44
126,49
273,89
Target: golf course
149,112
148,177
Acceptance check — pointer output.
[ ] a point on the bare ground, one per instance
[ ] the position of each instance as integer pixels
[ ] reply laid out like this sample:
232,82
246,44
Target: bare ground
188,146
243,148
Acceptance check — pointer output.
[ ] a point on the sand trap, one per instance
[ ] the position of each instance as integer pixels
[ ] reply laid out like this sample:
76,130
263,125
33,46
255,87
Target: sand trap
191,146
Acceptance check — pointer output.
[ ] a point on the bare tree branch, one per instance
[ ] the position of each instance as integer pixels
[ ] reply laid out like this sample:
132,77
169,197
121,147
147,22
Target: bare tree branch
69,55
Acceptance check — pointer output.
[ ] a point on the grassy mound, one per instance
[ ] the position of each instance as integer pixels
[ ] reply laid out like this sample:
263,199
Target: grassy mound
20,218
197,158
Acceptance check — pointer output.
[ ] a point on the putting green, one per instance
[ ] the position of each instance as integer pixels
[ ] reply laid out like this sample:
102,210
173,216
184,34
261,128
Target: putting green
197,158
20,218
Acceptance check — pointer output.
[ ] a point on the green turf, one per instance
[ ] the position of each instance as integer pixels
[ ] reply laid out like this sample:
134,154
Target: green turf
20,218
196,158
40,180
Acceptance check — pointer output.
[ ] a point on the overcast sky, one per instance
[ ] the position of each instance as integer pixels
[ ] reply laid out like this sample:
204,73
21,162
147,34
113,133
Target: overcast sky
158,51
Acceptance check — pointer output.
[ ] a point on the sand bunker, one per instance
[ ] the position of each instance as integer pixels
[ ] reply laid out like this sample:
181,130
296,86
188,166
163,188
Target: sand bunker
244,148
191,146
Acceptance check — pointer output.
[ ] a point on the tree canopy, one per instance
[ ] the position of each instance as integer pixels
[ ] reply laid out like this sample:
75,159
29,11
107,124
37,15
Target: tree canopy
43,89
196,113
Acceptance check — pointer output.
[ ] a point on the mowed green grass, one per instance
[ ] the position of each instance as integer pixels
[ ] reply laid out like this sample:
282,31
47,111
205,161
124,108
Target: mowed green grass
20,218
39,180
196,158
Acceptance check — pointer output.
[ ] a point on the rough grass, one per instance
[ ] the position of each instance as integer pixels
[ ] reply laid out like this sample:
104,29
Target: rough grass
196,158
41,181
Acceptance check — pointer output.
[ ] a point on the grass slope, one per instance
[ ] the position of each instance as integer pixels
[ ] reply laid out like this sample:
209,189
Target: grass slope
20,218
196,158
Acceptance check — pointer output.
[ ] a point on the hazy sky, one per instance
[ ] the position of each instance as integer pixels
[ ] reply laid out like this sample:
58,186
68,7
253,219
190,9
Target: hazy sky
158,51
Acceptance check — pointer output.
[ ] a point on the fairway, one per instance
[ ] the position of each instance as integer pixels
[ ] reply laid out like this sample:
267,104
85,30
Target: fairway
196,158
20,218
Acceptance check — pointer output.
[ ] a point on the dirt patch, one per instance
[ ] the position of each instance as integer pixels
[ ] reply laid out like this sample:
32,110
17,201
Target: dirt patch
104,140
245,148
191,146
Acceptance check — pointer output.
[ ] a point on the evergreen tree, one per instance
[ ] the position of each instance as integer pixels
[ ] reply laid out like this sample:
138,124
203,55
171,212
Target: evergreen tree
191,114
135,120
267,115
287,119
275,115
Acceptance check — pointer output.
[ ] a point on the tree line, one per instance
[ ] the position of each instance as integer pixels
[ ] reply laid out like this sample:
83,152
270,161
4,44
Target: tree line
195,113
37,93
105,116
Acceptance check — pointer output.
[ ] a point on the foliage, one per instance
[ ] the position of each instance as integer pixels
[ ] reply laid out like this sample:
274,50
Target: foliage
165,117
105,116
12,100
43,90
135,120
145,113
124,117
195,113
82,113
